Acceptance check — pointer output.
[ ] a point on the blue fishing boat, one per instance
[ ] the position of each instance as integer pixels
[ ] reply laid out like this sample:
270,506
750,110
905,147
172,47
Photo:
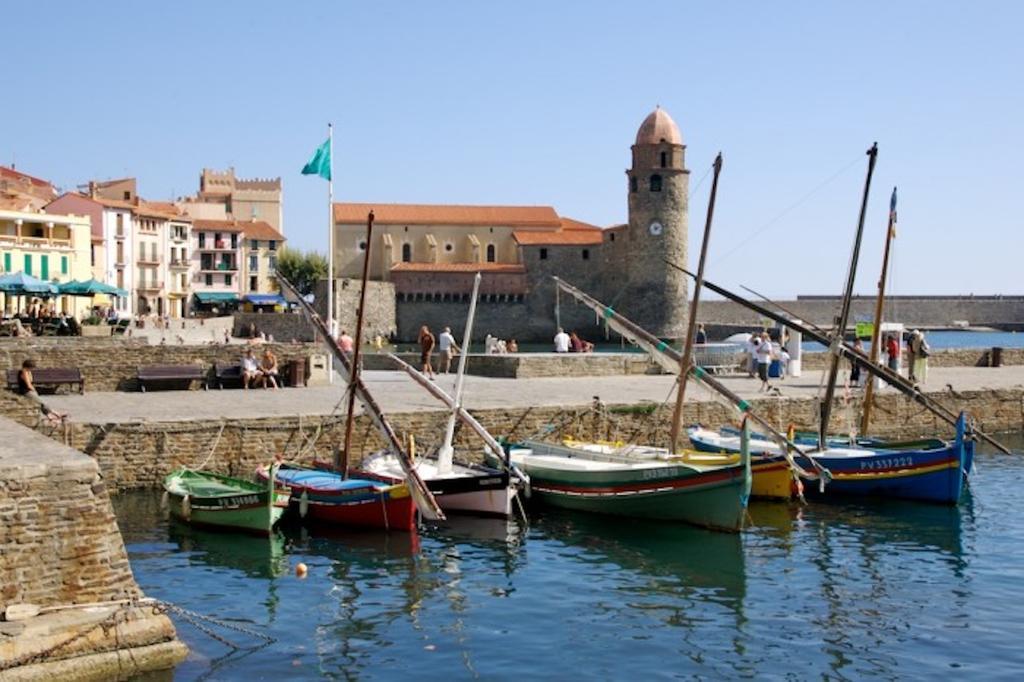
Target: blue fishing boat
810,439
929,474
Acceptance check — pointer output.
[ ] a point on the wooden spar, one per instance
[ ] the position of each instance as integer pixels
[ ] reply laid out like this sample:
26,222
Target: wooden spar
691,328
869,390
449,402
882,372
353,376
424,499
669,359
844,313
445,453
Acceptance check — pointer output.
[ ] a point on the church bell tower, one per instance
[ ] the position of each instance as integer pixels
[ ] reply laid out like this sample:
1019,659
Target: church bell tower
658,222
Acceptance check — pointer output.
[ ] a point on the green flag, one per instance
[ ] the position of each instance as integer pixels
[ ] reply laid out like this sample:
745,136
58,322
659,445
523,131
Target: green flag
320,164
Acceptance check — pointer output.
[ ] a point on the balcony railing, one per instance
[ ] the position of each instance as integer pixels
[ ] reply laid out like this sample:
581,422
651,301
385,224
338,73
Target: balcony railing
148,260
218,267
179,263
35,242
149,286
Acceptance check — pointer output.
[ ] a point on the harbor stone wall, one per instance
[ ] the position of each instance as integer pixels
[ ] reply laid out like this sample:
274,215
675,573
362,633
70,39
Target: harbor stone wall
59,546
140,454
380,306
282,327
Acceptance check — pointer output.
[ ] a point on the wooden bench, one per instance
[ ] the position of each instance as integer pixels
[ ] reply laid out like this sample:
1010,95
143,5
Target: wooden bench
50,376
170,376
231,374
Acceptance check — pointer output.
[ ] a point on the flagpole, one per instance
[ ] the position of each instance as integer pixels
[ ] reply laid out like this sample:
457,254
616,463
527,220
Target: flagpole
330,248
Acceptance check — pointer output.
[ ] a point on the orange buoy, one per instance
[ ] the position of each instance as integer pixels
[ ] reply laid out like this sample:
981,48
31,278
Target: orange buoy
301,570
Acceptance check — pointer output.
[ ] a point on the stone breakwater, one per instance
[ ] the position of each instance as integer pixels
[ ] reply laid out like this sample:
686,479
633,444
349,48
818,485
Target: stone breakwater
139,454
60,546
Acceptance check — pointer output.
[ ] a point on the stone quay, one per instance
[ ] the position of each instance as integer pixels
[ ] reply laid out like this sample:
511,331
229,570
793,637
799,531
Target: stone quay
60,548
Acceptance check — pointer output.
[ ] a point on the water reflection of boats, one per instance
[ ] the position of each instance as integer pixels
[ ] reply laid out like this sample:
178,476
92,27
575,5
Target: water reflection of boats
700,559
879,522
256,557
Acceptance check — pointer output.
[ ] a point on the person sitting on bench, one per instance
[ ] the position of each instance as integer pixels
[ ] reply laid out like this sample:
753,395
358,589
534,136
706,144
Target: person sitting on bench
28,389
268,369
250,369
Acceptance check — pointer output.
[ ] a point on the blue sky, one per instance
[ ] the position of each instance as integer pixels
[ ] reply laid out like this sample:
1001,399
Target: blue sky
538,103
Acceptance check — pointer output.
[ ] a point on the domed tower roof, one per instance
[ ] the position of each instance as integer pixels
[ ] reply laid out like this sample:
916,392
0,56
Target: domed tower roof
658,127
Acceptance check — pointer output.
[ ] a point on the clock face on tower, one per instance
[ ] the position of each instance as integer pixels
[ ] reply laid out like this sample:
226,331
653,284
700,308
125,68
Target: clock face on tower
655,228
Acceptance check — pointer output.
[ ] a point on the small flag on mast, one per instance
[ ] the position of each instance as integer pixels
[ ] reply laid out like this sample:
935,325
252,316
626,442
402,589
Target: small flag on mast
320,164
892,214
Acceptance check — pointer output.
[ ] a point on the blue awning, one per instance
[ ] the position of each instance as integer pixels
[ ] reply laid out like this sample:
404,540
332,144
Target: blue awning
216,297
265,299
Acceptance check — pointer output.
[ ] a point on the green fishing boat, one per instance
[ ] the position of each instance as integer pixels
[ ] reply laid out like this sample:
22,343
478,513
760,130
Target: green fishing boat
211,500
711,496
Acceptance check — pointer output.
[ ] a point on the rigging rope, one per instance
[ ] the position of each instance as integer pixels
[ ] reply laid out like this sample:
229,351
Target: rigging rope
802,200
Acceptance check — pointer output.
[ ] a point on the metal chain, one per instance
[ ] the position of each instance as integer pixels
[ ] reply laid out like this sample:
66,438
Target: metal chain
111,622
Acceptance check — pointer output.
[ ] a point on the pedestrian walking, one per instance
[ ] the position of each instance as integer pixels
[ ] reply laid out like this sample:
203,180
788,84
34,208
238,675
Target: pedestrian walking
427,342
447,347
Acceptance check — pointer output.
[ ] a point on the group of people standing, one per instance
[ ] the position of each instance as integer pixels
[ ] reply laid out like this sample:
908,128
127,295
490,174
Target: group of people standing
917,357
761,352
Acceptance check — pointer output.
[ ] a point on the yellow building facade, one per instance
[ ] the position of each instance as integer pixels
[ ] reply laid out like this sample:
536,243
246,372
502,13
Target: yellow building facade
55,248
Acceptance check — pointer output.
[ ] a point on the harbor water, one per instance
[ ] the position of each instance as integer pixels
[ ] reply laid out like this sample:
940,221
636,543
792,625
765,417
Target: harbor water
843,590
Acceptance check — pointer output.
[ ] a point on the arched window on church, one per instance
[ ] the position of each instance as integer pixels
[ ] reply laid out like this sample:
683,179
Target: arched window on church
664,159
632,184
406,253
655,183
490,253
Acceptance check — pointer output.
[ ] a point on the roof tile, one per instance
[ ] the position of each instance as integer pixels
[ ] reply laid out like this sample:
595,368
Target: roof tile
459,267
447,214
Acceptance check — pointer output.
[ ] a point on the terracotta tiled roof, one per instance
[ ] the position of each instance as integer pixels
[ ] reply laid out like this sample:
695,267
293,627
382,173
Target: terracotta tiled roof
6,172
218,225
15,204
252,229
459,267
259,229
447,214
159,209
113,203
572,233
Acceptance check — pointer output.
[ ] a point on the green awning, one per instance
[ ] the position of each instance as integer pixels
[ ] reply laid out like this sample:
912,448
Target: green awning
216,297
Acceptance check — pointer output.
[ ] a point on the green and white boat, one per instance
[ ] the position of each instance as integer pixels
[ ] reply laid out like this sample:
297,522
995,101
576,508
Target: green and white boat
211,500
712,496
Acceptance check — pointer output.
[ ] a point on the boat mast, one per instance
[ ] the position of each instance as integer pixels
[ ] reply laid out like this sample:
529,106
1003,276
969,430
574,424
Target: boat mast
353,377
844,313
875,351
894,379
425,501
669,359
446,452
691,329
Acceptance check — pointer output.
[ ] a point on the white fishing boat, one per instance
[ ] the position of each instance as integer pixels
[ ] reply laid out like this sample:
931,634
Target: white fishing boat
458,487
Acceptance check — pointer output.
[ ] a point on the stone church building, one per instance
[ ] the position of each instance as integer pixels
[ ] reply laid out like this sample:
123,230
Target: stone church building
430,254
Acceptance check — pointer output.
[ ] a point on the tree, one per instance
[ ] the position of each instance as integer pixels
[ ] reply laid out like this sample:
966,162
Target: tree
303,269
